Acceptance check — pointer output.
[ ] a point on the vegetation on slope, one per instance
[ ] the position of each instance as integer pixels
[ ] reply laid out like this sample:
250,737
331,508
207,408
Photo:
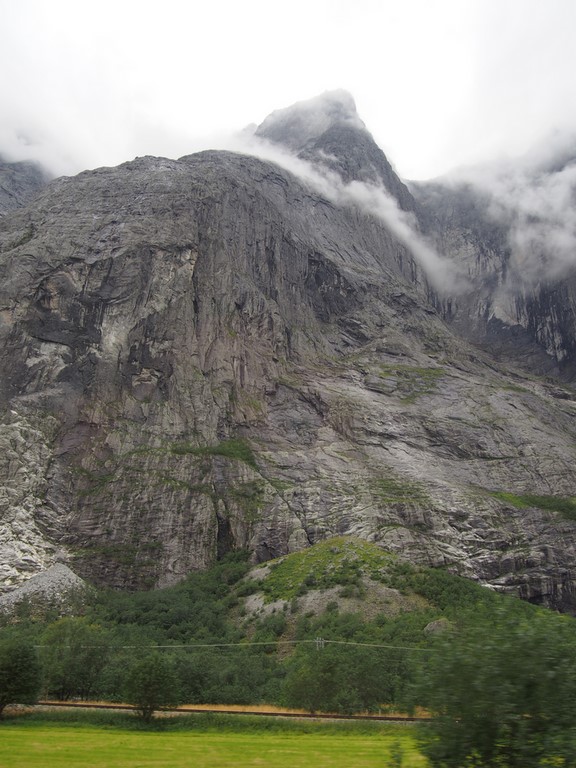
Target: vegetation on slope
235,638
342,626
564,505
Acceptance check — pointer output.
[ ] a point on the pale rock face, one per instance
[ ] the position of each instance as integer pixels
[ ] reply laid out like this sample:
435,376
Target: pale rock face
204,355
52,588
24,459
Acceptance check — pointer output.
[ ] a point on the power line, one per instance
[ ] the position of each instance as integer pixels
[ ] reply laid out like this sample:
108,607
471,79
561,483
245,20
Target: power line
318,641
380,645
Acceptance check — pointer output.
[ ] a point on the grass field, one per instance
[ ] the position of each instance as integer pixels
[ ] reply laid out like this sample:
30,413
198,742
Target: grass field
60,746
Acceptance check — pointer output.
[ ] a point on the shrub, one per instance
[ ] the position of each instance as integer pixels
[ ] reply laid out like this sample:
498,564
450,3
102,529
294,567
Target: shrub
151,685
19,674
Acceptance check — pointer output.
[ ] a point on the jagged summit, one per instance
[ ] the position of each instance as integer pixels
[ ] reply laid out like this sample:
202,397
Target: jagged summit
328,130
305,121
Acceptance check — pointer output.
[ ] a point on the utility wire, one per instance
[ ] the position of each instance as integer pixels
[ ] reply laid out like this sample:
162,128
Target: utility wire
316,641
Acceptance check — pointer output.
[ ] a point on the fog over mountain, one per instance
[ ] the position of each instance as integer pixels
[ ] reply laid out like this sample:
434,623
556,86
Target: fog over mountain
263,348
441,85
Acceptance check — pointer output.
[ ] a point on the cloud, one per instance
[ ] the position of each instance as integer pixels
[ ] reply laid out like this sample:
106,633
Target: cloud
534,197
370,198
457,81
376,201
543,231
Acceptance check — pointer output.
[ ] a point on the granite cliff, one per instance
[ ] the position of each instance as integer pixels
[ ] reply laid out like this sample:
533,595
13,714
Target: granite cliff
209,353
20,183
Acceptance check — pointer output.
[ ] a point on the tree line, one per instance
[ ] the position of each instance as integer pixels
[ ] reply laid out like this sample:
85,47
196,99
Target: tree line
498,676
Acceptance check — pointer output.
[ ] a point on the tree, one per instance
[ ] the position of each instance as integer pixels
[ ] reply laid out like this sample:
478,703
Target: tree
502,691
151,684
73,654
19,674
339,679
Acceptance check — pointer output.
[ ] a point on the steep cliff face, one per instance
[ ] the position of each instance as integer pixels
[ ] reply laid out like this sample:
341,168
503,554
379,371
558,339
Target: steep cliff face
514,237
207,354
19,184
327,130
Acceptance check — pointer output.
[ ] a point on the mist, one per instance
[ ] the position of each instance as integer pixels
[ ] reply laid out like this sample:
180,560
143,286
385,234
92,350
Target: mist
456,82
372,199
534,197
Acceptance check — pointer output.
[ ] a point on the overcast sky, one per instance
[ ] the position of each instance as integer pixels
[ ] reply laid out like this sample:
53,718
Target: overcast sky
439,83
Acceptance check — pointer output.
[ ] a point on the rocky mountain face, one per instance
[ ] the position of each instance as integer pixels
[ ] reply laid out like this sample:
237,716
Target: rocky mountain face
19,184
327,130
206,354
521,292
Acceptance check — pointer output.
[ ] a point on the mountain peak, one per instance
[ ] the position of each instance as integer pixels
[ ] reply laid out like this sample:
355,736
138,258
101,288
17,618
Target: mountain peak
305,121
326,130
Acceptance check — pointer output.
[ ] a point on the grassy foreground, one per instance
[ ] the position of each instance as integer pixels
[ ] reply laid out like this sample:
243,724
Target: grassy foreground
85,746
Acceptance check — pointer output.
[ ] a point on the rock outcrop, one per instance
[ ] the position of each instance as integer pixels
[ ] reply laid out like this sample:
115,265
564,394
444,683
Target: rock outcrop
19,184
205,354
57,589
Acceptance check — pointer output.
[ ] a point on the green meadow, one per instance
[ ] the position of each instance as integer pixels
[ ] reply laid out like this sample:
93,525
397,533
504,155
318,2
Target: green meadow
84,746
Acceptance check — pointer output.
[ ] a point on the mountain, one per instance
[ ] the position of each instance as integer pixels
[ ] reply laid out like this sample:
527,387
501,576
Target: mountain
219,353
512,232
20,183
328,130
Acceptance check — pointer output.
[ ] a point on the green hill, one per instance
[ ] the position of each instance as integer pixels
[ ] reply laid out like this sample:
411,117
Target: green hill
335,626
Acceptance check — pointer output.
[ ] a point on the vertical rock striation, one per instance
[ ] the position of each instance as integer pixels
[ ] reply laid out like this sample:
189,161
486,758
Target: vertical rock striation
207,354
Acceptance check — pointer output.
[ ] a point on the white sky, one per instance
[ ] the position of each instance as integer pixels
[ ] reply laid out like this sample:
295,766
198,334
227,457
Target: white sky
439,83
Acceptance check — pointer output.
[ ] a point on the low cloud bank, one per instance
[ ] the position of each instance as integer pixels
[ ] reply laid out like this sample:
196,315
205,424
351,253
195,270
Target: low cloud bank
535,198
370,198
